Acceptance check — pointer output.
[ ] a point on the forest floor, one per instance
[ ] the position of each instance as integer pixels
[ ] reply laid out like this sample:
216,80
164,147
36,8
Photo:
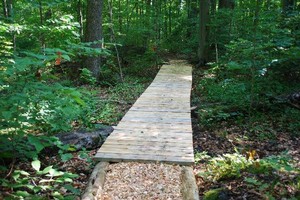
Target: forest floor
222,139
216,143
254,141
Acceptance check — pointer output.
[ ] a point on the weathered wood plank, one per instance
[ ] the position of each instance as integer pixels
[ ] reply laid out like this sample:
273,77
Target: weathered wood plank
161,150
155,126
158,126
155,130
113,157
146,144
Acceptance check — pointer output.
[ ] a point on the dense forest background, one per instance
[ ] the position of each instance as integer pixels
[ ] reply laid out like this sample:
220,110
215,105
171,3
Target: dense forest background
69,65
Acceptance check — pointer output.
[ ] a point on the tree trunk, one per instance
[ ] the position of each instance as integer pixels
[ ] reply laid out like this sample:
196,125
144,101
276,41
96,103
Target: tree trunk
213,7
120,16
170,18
204,19
192,16
287,5
9,8
5,8
226,4
80,18
94,34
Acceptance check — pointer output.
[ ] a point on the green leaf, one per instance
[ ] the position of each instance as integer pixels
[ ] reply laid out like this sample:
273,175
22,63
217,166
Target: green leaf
22,194
24,173
72,189
7,114
36,143
67,156
36,164
66,57
16,176
54,172
252,181
234,66
47,169
57,195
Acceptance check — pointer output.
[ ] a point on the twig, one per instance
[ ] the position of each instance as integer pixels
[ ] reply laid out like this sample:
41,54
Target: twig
11,168
116,101
293,105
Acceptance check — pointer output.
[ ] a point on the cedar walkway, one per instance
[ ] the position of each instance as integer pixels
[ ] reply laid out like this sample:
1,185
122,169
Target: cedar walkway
158,126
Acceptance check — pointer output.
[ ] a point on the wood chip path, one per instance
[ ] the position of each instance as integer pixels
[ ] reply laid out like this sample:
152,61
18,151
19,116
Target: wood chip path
158,126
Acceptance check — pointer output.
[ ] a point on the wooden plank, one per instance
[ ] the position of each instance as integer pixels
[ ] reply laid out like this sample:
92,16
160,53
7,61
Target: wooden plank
151,132
157,120
137,137
159,109
157,114
113,157
158,126
141,141
155,126
150,151
165,130
140,149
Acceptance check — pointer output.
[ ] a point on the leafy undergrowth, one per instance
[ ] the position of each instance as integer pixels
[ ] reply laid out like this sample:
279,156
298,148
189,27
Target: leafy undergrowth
34,173
242,156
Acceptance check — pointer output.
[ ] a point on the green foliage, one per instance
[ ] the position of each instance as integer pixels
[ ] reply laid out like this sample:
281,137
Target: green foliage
143,65
86,77
119,98
28,185
226,166
229,166
213,194
233,165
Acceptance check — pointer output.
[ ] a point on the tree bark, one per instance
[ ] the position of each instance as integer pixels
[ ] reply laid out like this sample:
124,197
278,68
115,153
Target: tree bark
213,7
120,19
287,5
192,16
226,4
204,19
94,34
80,18
5,9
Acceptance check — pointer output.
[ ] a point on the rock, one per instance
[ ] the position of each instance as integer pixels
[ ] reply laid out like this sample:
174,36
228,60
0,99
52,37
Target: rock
294,98
87,140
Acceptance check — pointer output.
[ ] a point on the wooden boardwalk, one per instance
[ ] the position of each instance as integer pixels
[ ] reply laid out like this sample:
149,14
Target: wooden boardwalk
158,126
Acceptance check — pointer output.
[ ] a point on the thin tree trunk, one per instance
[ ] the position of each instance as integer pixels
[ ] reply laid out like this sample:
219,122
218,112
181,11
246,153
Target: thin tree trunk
127,15
93,33
113,38
42,39
9,7
120,16
192,16
213,6
204,19
165,19
170,18
80,18
5,9
287,5
41,12
226,4
253,60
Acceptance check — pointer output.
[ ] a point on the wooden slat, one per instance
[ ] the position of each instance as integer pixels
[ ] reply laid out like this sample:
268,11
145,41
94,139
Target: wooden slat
116,157
144,146
158,125
161,130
